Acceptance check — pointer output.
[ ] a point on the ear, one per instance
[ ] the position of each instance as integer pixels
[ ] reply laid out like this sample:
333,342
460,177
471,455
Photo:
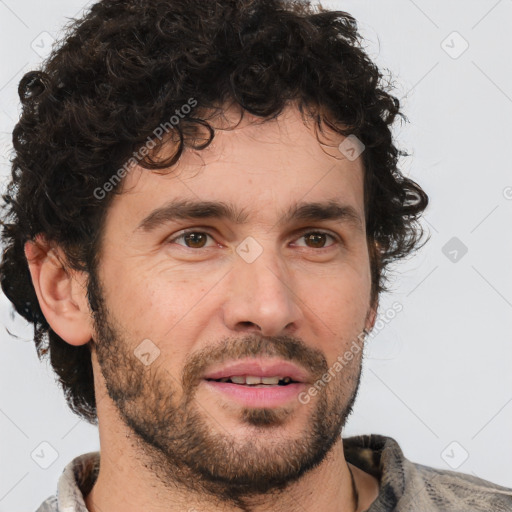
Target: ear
61,292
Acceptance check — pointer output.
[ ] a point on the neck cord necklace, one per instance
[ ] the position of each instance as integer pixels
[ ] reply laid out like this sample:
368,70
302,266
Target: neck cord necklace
355,494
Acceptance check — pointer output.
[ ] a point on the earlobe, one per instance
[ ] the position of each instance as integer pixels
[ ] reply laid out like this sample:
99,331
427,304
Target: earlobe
61,292
372,317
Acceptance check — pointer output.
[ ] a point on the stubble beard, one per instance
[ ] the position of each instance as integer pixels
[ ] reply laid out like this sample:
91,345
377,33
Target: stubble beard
187,449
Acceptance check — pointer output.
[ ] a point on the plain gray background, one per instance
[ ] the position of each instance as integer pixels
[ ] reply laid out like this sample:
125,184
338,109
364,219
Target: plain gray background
437,376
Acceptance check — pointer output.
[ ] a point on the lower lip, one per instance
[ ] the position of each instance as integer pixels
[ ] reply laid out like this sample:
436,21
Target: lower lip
270,396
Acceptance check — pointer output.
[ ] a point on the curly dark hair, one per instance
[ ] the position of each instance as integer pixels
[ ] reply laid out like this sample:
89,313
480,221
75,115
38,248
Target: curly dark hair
128,66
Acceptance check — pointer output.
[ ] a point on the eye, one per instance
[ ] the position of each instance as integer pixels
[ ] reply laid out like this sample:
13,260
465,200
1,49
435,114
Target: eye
317,239
197,239
192,239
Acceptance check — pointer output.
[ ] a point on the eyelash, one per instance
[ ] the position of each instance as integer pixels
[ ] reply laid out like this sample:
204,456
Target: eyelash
301,234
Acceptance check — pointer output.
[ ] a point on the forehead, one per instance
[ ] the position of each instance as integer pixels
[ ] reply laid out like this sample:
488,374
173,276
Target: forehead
263,166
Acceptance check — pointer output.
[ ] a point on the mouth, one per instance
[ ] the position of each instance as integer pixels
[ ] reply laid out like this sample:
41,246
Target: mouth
257,382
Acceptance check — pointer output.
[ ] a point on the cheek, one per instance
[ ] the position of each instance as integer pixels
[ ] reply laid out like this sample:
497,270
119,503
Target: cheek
151,302
345,287
337,304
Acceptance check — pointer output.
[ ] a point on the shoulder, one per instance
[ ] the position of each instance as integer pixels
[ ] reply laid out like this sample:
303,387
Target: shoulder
451,491
406,486
49,505
75,482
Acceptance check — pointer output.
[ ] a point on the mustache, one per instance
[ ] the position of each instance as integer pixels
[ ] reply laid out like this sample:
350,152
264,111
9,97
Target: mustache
289,348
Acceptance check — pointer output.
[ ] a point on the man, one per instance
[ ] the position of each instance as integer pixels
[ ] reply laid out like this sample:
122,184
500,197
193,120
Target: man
205,199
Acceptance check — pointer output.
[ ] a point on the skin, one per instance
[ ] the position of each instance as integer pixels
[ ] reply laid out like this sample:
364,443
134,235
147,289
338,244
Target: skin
160,426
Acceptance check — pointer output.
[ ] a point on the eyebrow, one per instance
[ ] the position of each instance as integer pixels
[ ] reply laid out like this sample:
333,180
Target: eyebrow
183,209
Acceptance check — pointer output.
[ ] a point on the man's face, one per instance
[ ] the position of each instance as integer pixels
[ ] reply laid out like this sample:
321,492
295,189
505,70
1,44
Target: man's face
177,310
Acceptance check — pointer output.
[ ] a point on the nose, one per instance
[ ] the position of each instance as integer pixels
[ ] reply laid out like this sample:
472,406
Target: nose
261,297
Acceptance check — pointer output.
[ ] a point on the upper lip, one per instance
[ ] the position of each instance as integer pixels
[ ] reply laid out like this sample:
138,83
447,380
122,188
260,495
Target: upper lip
258,368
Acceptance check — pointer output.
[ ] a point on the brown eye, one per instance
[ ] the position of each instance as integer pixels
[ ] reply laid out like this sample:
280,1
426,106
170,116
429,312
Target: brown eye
317,239
193,239
196,239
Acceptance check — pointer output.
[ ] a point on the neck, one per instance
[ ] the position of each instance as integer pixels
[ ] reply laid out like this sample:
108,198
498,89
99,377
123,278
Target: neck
125,484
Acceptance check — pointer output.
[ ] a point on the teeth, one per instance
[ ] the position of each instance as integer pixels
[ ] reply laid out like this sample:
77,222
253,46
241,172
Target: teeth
255,381
252,380
270,380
